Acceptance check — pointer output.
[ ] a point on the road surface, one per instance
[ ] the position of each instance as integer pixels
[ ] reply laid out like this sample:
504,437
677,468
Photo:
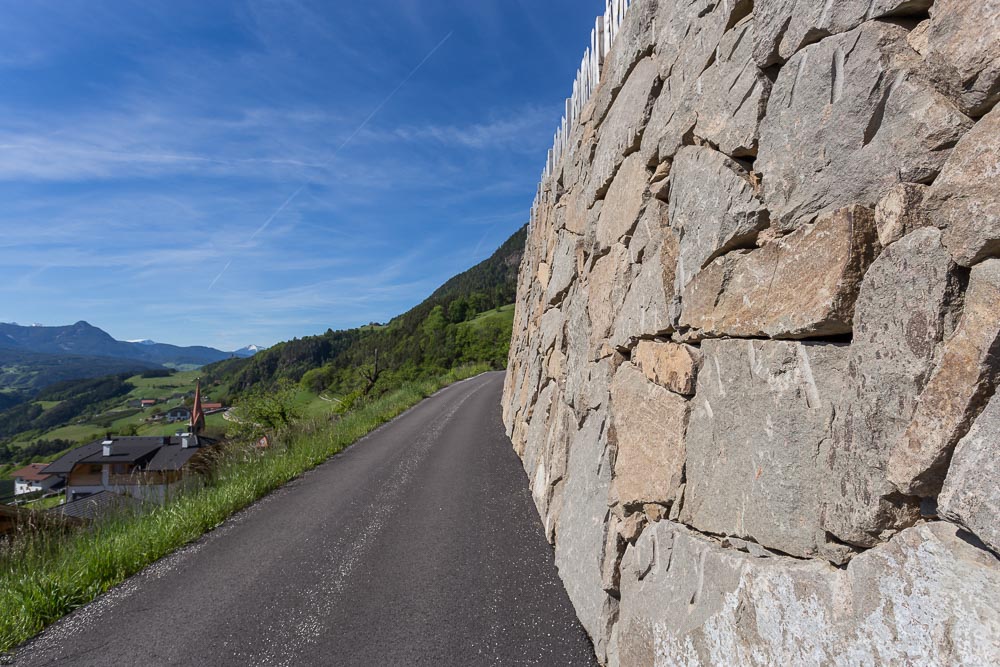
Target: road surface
418,545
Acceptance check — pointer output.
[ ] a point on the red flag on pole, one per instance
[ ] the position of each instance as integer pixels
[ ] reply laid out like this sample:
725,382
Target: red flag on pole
197,414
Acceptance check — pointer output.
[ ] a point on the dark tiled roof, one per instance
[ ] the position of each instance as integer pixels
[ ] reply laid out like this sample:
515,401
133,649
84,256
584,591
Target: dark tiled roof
65,463
126,450
160,453
97,505
171,457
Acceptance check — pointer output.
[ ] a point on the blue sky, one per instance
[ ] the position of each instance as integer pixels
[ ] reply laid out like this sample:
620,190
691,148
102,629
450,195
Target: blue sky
145,147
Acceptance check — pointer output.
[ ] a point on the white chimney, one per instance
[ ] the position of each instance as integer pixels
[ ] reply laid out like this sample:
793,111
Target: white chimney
188,440
109,447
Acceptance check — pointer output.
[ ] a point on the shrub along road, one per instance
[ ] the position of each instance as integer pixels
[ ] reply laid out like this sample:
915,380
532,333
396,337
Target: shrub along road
418,545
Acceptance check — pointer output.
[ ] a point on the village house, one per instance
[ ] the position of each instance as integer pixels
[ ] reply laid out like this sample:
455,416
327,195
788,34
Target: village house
178,414
147,403
145,468
31,479
141,467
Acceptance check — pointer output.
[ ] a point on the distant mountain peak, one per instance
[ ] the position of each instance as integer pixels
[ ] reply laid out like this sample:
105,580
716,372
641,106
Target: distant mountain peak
84,339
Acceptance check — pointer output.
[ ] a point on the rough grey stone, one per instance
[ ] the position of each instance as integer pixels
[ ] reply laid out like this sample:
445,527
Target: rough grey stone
550,330
965,199
653,251
762,411
902,315
635,42
864,149
925,598
580,533
961,43
623,203
789,25
730,97
621,133
563,270
971,494
608,284
714,208
841,129
550,470
966,376
686,37
538,428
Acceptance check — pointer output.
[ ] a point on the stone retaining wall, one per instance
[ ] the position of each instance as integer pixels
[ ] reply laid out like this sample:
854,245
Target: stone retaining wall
757,338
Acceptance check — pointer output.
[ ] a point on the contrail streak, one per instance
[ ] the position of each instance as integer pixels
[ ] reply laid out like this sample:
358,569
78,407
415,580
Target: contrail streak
349,139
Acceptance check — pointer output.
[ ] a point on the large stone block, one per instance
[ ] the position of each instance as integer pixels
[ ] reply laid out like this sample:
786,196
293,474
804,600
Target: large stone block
548,479
964,379
607,286
621,133
903,313
762,411
648,424
580,531
563,269
538,420
714,208
624,202
928,597
965,199
847,119
786,26
647,310
799,286
971,494
961,43
636,36
672,366
730,97
686,37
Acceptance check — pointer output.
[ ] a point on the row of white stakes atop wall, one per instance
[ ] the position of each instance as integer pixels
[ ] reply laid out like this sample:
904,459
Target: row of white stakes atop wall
587,79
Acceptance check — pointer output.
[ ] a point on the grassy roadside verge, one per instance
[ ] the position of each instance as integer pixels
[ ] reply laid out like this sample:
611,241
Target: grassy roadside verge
44,577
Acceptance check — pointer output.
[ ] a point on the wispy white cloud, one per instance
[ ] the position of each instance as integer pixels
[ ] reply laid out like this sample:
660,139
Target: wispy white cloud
520,129
172,157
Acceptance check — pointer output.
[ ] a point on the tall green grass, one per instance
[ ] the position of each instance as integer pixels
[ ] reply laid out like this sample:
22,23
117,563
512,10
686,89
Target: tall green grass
46,575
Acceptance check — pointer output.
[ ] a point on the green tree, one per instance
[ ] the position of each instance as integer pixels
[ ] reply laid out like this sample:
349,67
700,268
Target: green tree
263,412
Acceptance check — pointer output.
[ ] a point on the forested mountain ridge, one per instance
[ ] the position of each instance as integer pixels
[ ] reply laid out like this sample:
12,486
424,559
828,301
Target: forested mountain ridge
450,327
84,339
26,371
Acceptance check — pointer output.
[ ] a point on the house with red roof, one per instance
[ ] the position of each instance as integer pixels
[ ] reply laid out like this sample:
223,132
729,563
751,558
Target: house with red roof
32,479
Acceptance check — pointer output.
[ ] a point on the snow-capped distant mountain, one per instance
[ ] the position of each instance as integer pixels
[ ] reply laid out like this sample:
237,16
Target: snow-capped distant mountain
249,351
142,342
83,339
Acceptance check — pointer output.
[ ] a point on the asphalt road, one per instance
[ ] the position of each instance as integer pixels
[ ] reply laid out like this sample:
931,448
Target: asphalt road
418,545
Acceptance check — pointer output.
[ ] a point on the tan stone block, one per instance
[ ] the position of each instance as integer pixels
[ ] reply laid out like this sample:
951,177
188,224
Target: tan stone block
900,212
802,285
649,424
669,365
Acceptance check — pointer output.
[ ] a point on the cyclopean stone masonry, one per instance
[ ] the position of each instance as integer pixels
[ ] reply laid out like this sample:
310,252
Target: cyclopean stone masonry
754,371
